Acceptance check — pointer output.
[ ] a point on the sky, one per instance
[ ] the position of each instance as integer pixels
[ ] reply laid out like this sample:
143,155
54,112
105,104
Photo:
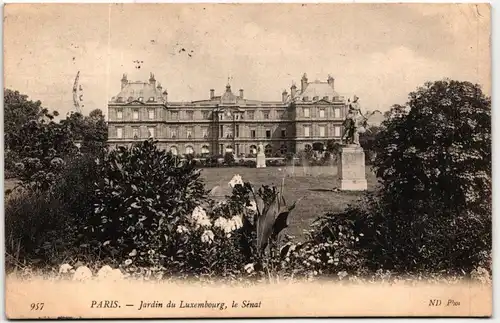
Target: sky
380,52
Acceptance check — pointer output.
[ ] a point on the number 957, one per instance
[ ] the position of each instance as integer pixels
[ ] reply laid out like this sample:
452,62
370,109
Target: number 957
37,306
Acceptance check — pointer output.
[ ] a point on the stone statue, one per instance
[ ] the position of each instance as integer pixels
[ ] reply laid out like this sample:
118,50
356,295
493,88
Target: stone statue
260,149
354,123
261,157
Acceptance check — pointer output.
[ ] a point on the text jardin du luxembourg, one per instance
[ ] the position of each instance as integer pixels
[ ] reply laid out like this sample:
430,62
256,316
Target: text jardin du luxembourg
202,305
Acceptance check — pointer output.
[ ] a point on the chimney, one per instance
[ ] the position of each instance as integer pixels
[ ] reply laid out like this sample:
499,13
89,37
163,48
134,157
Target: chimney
303,83
152,80
293,91
284,96
241,93
331,81
124,81
212,94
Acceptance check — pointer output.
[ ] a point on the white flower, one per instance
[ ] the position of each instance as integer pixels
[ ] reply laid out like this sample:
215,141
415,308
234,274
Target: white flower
198,213
207,236
82,273
342,274
104,272
65,268
238,223
252,206
220,223
203,222
249,268
182,229
236,180
200,217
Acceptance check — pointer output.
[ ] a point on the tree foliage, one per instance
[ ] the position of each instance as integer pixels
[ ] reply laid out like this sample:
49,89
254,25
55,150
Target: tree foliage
438,146
142,196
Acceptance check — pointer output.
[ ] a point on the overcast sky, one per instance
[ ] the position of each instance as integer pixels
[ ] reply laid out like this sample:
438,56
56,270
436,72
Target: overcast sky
378,52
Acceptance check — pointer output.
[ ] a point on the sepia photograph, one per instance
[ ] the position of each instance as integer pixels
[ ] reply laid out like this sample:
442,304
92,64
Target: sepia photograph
247,160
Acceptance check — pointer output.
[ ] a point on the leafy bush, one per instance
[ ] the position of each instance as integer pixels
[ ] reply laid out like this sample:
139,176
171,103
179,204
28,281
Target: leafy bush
142,196
229,159
434,159
36,229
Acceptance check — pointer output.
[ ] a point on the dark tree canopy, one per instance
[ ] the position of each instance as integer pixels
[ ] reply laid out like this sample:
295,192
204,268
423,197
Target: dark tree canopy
438,145
18,110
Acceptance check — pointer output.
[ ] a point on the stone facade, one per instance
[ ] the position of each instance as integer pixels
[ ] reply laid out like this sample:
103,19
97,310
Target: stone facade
229,122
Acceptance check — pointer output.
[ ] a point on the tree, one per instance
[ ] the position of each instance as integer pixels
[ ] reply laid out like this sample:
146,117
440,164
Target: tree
442,144
18,110
91,130
433,157
367,141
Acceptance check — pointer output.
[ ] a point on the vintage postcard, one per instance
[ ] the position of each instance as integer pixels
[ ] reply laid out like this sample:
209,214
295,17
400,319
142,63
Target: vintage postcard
247,160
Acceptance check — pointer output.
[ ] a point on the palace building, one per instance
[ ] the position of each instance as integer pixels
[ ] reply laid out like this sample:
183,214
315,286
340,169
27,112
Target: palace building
228,122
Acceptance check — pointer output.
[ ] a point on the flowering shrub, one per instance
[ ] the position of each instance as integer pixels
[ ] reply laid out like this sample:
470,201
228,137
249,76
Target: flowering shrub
142,196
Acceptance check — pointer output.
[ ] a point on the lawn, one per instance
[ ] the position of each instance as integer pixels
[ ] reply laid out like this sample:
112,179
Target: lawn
311,187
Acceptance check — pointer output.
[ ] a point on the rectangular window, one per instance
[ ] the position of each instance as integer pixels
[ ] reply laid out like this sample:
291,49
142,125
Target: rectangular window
337,131
135,133
306,112
268,134
283,133
237,131
336,113
175,115
221,131
321,113
119,132
135,114
206,115
173,133
204,131
151,131
322,131
151,114
281,114
190,115
251,115
307,131
252,133
265,115
119,114
189,132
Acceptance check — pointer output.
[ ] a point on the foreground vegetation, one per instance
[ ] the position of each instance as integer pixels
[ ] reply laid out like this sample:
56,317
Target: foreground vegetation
148,214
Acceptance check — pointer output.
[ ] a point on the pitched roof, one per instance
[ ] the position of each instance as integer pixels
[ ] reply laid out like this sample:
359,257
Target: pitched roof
317,89
135,90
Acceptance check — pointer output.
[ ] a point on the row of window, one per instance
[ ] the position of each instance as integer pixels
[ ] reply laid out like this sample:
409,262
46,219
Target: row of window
250,115
228,133
205,150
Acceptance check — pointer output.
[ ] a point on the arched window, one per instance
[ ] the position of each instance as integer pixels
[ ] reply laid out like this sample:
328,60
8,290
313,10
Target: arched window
189,150
283,149
253,149
268,150
205,150
173,150
318,146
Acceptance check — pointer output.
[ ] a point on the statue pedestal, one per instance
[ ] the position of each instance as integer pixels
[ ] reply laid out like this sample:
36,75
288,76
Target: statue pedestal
261,160
351,169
